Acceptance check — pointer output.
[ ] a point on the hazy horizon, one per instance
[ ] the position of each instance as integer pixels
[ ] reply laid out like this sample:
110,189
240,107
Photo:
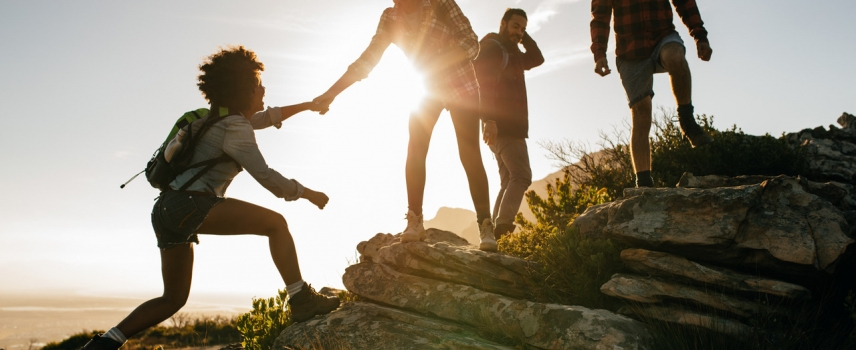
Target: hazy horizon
92,86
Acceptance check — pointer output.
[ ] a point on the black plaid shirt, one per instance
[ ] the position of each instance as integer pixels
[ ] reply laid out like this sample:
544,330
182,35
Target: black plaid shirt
443,27
640,25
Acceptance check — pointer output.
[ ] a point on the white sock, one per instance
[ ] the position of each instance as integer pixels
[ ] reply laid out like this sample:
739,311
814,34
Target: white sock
115,334
294,288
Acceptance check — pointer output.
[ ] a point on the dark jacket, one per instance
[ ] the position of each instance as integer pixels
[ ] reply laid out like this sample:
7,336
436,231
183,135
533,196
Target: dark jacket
503,91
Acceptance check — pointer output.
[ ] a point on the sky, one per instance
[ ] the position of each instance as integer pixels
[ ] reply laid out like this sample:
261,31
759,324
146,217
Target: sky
89,88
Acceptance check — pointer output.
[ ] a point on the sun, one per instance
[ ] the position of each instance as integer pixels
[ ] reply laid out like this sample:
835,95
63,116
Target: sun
406,84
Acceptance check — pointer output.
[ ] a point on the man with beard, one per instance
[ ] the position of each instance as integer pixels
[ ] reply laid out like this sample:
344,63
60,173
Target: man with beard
500,68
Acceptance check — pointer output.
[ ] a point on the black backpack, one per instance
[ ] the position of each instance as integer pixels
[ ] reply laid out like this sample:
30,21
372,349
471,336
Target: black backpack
183,138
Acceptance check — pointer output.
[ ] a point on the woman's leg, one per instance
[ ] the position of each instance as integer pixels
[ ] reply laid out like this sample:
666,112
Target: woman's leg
236,217
465,117
177,271
422,123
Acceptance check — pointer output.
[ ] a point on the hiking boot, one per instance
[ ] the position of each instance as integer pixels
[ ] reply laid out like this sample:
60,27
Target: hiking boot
487,241
414,230
694,132
307,303
644,179
502,230
101,343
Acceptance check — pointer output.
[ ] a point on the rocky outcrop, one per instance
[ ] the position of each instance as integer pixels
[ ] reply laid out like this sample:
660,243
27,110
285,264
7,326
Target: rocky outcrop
688,317
361,325
681,269
444,293
831,152
703,253
775,225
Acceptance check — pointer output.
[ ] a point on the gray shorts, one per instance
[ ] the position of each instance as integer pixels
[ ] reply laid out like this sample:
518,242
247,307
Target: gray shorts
637,76
176,216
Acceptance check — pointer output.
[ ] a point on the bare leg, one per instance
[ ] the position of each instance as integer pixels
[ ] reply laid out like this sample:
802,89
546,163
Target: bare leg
673,58
236,217
466,122
230,217
177,271
422,123
640,149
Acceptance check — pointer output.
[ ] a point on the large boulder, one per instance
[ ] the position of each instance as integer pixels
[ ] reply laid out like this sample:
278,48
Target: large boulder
442,293
368,249
687,317
447,257
363,325
774,226
837,193
546,326
681,269
465,265
831,154
652,290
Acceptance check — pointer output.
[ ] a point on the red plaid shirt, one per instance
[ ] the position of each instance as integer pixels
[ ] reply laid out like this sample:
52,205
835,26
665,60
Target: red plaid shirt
639,25
443,27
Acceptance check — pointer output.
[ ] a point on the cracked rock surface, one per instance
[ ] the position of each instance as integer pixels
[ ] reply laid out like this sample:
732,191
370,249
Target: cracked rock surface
442,293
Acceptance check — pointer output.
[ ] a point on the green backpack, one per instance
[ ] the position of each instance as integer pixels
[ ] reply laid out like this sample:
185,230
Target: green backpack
173,155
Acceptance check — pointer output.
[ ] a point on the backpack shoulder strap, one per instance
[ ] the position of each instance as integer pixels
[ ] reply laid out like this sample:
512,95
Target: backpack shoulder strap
185,120
213,118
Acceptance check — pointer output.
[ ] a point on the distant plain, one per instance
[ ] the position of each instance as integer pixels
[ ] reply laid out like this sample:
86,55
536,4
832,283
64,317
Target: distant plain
35,319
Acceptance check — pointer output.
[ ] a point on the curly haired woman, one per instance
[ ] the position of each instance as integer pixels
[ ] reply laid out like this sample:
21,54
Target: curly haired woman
230,81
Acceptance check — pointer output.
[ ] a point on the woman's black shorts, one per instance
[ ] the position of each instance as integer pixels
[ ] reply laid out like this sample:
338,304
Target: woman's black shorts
176,216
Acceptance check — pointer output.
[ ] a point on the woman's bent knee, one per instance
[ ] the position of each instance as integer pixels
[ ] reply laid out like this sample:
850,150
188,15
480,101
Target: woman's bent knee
175,301
275,224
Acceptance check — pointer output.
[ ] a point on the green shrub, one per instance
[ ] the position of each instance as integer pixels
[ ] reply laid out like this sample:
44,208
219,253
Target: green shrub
74,342
562,204
186,331
262,325
571,268
732,153
189,331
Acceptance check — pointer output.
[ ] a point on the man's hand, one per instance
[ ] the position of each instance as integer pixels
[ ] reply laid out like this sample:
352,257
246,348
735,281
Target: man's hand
489,132
525,37
601,67
318,198
322,103
321,109
704,50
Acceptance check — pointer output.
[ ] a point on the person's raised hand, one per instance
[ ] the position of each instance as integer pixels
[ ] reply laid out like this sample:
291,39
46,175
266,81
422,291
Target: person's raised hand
601,67
704,50
489,132
315,107
322,103
318,198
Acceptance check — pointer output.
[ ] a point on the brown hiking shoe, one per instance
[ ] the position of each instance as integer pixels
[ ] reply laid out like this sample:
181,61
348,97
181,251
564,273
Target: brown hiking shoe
307,303
101,343
694,132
